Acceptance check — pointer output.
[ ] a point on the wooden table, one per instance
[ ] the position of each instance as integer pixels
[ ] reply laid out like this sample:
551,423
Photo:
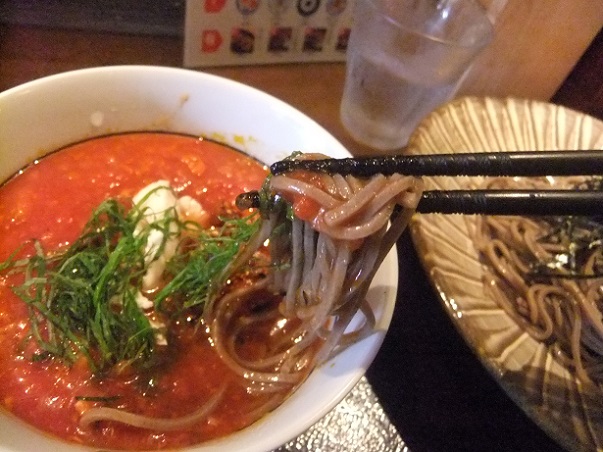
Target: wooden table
27,53
430,383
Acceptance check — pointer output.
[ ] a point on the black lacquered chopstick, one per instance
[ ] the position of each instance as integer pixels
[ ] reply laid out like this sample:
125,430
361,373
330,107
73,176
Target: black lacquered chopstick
522,163
488,202
513,202
494,202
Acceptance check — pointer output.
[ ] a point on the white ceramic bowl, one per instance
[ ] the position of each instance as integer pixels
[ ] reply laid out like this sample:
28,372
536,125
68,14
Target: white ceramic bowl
41,116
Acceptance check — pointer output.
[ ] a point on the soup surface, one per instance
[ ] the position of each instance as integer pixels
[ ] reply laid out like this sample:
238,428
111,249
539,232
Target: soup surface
51,201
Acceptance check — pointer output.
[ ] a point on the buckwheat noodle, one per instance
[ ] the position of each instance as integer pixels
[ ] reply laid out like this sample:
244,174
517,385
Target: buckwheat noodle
556,307
322,266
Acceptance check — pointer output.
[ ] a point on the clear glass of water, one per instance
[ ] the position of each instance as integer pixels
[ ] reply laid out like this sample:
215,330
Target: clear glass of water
405,58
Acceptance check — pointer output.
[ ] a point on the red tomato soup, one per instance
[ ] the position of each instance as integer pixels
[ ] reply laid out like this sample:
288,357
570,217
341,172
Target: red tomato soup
51,201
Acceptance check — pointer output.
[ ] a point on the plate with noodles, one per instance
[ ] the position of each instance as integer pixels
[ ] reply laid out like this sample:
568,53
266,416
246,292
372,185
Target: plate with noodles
525,293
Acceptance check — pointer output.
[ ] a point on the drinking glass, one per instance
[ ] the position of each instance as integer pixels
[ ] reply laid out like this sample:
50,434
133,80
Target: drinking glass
406,57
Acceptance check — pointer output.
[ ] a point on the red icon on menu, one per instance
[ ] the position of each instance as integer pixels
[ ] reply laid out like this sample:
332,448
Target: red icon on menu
214,6
211,40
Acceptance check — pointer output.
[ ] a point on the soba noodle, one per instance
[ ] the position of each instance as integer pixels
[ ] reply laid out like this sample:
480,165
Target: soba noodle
322,266
546,274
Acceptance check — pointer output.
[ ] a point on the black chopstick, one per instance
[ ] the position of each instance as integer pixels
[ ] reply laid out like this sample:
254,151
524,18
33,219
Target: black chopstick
513,202
494,202
521,163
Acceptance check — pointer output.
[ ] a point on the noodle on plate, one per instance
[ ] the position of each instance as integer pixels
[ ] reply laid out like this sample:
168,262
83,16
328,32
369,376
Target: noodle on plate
547,274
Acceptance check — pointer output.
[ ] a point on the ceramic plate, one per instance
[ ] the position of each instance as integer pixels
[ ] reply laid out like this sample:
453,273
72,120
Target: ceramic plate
525,368
47,114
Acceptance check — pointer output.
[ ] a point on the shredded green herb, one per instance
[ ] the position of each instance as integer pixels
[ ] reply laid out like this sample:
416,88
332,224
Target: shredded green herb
194,274
83,299
580,239
102,399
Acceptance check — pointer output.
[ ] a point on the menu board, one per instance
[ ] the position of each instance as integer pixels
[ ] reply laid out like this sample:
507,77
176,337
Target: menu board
241,32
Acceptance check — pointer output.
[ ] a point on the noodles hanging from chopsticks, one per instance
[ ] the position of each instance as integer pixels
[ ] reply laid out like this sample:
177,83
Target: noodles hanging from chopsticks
324,258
